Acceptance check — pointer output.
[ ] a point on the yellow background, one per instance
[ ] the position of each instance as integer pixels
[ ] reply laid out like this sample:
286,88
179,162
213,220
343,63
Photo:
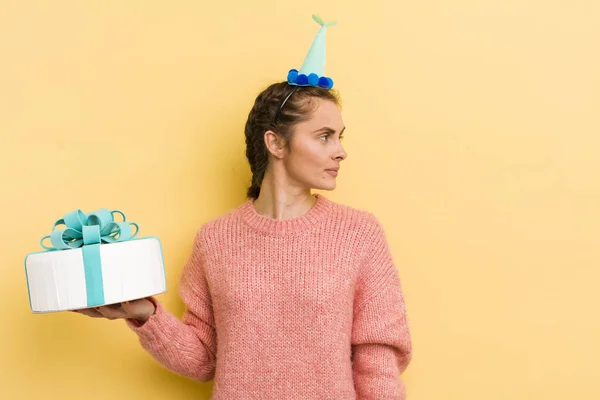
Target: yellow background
473,134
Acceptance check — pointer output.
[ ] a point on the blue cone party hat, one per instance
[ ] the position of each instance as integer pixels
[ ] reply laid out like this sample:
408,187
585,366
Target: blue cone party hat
312,72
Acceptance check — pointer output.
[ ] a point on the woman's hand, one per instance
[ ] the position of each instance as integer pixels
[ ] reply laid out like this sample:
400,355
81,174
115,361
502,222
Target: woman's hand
138,310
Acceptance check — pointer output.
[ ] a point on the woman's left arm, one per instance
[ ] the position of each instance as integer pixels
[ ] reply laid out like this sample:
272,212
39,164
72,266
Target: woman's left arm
381,344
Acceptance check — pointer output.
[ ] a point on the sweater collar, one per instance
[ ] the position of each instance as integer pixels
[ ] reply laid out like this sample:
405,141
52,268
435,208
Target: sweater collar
279,227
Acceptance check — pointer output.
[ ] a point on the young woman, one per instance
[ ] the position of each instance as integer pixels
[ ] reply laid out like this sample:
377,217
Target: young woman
290,295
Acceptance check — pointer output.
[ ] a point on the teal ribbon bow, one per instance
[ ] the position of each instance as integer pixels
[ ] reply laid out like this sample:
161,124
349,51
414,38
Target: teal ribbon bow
89,231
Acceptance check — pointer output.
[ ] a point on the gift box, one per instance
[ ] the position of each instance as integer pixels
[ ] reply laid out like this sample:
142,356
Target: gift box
93,260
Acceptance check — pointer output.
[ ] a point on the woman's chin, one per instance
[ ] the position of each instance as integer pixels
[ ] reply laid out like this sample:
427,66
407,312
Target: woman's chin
326,186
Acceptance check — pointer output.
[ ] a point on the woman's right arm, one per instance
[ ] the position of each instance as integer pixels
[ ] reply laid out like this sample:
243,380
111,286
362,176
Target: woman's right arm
188,346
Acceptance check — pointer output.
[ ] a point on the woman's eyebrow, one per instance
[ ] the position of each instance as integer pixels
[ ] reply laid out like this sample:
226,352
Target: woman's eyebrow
329,130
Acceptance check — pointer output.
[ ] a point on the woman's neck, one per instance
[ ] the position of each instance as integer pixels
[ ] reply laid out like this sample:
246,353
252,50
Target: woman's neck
282,202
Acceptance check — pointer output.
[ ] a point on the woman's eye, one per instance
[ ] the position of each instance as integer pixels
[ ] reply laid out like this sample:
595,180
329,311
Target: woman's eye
325,137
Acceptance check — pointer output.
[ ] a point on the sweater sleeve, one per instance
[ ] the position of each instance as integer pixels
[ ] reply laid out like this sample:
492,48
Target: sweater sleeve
381,344
188,346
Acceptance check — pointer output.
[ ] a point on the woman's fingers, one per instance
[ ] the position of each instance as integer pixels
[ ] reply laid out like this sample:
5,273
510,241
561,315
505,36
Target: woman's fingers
90,312
140,309
112,312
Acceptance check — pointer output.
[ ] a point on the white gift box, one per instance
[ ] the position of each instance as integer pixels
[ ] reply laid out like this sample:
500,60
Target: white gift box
130,270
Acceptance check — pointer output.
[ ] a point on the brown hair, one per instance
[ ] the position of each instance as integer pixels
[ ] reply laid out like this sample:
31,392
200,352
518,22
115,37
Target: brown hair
297,108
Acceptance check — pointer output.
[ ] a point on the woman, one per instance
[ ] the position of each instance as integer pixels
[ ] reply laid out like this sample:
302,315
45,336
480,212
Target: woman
290,295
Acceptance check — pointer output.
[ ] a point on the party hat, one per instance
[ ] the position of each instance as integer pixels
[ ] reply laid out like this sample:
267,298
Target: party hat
312,72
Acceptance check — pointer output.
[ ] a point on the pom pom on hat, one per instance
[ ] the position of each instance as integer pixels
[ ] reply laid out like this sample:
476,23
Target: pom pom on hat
292,76
302,80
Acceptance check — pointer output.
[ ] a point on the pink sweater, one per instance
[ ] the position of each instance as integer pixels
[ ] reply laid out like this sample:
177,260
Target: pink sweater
302,308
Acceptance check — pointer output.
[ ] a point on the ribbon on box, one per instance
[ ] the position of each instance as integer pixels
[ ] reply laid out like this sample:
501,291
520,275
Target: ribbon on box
89,231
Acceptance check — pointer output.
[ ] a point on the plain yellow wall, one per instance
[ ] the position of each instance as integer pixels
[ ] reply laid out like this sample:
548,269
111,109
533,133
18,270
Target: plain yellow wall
473,134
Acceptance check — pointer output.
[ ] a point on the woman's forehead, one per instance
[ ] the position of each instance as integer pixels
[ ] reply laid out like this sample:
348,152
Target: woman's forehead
326,114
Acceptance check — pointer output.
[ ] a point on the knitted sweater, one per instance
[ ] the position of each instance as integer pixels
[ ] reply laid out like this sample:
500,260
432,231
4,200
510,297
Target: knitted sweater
303,308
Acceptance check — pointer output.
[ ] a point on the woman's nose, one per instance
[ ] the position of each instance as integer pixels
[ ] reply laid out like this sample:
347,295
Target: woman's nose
341,154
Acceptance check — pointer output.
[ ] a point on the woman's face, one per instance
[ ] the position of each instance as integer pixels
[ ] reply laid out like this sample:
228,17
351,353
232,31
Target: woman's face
315,150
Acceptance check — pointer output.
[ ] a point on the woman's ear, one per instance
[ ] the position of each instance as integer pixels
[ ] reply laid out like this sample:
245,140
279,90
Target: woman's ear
275,144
